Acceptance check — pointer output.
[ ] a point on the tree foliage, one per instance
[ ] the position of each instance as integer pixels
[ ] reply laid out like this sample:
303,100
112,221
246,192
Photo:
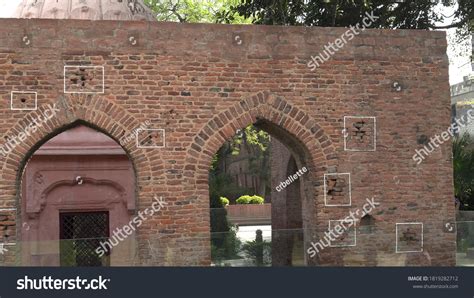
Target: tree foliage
250,136
197,11
255,143
396,14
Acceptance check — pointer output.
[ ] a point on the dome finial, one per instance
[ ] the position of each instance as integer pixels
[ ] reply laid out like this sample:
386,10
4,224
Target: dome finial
84,9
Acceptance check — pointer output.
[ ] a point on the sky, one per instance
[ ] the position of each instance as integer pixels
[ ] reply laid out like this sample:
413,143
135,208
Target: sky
458,66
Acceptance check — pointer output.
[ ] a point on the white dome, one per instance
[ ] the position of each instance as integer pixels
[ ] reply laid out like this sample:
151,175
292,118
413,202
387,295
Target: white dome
84,9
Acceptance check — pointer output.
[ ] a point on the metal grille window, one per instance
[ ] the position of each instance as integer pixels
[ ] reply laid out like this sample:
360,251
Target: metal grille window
81,234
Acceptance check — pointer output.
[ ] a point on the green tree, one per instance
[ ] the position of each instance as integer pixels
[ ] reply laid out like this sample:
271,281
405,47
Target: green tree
250,136
402,14
257,143
196,11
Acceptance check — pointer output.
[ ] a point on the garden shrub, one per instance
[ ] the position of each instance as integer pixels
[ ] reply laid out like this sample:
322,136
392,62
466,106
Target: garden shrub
246,199
224,201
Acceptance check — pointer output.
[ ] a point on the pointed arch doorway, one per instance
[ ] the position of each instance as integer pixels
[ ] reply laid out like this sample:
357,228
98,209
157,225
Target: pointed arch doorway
77,189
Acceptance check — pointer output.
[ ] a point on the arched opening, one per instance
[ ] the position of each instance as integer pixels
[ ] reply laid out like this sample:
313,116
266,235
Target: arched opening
77,193
260,196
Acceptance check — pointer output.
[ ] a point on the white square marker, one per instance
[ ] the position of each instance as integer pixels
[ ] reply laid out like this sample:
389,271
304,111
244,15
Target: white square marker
353,227
67,68
15,94
397,225
326,186
374,142
150,131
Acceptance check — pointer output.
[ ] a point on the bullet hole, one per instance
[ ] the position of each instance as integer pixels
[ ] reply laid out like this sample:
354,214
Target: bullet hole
367,224
359,133
422,140
410,235
333,187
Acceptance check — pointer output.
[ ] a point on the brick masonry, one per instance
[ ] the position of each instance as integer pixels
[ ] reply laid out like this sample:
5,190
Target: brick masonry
203,82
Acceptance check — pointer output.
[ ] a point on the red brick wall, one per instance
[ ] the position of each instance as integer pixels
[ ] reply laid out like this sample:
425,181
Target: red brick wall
203,82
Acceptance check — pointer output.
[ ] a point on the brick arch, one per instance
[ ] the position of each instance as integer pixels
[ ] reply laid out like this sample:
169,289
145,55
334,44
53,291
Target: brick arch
95,112
305,139
277,116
